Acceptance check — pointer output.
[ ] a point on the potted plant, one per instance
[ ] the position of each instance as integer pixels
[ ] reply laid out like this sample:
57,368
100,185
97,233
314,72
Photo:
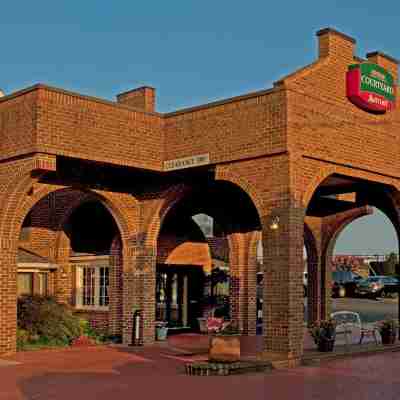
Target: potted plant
324,334
225,344
161,330
388,330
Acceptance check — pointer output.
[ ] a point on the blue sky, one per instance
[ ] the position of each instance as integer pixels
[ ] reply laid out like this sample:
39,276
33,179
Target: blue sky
191,51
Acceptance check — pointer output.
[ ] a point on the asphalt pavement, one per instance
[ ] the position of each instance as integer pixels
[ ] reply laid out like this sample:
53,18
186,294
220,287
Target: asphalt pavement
370,310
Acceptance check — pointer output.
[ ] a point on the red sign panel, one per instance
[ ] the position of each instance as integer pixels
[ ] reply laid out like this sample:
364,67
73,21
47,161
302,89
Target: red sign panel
370,87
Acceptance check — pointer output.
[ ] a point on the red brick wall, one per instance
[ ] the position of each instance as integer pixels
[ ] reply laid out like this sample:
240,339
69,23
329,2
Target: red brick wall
244,127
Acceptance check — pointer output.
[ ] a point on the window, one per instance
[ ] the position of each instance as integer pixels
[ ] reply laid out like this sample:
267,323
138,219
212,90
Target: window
42,284
25,283
92,286
32,282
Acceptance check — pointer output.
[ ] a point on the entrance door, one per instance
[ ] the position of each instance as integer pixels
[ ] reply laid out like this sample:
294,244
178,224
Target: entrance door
179,290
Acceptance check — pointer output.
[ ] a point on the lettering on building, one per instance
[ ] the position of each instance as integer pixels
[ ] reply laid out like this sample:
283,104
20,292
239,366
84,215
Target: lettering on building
370,87
187,162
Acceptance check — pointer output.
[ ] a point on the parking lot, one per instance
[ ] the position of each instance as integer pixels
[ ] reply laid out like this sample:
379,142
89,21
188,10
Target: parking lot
370,310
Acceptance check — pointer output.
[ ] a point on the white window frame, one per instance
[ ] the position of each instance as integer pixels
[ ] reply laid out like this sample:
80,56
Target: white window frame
79,287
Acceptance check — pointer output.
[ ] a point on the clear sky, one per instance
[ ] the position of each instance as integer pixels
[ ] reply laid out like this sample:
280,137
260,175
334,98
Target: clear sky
191,51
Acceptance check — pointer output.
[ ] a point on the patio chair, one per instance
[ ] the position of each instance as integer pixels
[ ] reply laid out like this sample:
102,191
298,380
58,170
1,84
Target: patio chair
347,322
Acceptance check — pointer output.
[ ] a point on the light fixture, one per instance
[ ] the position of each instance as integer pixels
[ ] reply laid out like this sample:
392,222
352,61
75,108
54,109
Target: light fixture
274,223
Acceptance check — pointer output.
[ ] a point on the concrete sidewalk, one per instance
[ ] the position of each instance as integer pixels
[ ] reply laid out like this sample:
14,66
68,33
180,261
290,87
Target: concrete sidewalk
106,373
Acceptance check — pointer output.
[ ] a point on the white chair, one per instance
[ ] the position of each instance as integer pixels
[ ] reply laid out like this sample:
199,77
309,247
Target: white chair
350,321
346,323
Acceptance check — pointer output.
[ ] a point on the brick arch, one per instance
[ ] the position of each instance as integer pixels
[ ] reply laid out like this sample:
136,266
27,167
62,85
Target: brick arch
81,198
62,241
170,198
16,188
174,195
244,185
120,207
332,233
329,170
116,207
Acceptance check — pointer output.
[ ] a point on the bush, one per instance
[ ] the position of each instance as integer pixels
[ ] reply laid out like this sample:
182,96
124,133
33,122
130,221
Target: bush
22,338
47,321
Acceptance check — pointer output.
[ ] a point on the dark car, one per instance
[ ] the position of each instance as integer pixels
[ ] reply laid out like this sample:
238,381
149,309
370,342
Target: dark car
371,287
391,286
344,283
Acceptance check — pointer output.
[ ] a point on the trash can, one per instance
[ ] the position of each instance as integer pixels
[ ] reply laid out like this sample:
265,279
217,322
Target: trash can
161,331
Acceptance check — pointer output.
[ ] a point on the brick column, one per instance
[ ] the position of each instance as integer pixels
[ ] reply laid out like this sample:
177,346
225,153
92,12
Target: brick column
64,276
8,299
312,242
283,285
243,281
139,291
115,295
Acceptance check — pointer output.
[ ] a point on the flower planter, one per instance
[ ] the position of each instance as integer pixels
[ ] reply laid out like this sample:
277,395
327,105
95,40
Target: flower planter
224,348
326,345
388,337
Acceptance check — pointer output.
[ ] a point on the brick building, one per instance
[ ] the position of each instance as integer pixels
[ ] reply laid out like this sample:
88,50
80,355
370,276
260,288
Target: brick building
100,196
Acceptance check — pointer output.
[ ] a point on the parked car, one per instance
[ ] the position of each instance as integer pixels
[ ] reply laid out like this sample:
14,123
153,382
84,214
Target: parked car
371,287
391,286
344,283
386,286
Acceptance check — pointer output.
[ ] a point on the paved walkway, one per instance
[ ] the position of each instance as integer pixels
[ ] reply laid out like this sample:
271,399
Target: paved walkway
105,373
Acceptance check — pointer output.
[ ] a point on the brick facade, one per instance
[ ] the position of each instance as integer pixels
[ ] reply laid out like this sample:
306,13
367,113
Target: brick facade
273,155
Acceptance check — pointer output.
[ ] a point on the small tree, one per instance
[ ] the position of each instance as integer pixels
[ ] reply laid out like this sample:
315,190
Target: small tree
389,265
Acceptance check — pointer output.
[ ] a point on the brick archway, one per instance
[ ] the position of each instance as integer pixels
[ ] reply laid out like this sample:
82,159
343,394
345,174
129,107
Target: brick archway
12,218
242,238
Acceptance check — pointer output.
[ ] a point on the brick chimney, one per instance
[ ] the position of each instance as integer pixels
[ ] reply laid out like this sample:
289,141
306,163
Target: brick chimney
385,61
143,98
333,43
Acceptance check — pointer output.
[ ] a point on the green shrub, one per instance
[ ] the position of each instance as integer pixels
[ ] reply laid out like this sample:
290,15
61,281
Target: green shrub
47,321
22,338
97,334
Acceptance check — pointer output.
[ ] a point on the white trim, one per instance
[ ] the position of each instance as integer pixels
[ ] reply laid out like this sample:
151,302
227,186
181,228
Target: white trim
37,266
92,308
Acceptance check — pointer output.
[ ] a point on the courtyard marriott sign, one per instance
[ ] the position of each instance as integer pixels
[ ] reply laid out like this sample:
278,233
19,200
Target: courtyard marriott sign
370,87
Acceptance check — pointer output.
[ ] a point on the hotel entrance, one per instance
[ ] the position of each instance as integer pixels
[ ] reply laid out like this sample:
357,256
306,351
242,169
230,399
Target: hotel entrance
179,290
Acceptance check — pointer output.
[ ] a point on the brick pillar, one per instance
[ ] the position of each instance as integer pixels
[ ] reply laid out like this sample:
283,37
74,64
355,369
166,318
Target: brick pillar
283,285
243,281
115,295
139,292
312,243
64,277
8,299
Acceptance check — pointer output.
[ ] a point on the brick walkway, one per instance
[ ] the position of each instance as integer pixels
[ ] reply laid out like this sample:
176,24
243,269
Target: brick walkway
102,373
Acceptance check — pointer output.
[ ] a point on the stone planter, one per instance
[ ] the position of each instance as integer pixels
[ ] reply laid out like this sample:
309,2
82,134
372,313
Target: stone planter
224,348
388,337
326,344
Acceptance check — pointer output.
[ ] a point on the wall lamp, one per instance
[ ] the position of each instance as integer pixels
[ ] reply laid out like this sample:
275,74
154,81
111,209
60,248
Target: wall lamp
274,223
